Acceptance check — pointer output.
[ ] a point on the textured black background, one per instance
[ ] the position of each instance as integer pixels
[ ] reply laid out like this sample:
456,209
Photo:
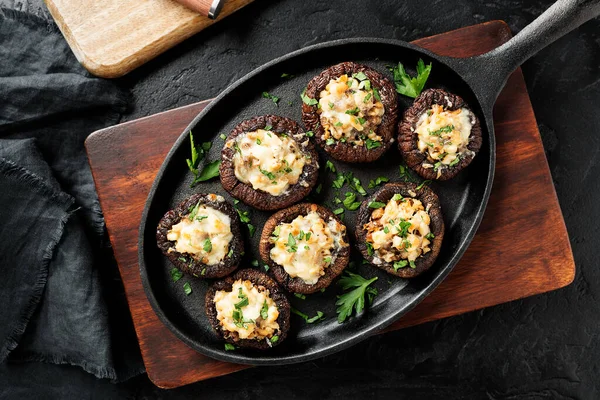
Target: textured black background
545,346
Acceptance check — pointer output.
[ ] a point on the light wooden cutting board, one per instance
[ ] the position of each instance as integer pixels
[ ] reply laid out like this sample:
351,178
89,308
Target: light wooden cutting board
113,37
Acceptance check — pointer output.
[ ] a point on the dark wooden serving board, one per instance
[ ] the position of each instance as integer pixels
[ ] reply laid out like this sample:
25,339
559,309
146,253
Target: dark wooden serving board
521,248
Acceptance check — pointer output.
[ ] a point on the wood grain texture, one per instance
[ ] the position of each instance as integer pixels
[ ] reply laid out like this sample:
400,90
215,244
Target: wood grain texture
113,37
502,264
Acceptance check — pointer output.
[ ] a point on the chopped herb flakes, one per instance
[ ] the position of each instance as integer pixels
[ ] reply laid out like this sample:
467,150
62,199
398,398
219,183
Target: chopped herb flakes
229,347
271,97
187,288
176,274
329,166
376,204
372,144
307,100
300,296
309,320
207,246
378,181
427,182
400,264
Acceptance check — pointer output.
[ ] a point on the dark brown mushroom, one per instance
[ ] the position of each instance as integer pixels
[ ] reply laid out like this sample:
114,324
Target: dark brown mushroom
261,281
189,263
257,198
384,195
340,255
345,151
408,137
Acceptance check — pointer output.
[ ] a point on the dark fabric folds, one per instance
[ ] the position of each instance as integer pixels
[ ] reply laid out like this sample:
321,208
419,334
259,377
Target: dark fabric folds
63,301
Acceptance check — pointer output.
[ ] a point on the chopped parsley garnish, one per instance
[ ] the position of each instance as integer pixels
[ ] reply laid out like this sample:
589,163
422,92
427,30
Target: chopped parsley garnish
353,111
337,200
291,244
264,311
386,229
243,302
194,211
411,87
300,296
412,264
376,204
350,201
268,128
306,247
338,124
251,229
308,235
329,142
403,228
176,274
400,264
268,174
201,217
427,182
367,97
254,263
274,339
430,236
258,141
271,97
378,181
230,253
223,136
187,289
327,259
329,166
338,211
360,76
244,215
455,161
319,188
437,165
307,319
307,100
339,181
229,347
198,154
207,246
443,129
354,300
372,144
276,231
331,105
362,120
376,94
210,171
356,184
310,134
397,197
289,76
266,267
203,272
369,248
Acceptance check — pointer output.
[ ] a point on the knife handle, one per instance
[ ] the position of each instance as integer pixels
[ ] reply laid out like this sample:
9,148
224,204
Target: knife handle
209,8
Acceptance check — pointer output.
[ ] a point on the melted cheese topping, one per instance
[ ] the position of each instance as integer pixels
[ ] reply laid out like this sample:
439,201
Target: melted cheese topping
206,237
392,237
247,320
306,246
444,135
350,111
267,161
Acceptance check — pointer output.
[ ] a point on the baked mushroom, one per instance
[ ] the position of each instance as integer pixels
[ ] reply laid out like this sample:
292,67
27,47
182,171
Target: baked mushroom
268,162
439,135
305,247
352,110
248,309
400,229
202,236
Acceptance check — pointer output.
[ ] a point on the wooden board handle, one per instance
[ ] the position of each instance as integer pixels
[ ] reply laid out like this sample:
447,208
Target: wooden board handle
209,8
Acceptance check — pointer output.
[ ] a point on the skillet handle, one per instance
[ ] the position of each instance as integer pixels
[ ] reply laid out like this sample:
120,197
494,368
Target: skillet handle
488,72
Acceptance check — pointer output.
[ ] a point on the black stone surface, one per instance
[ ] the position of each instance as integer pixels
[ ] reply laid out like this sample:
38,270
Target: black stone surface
546,346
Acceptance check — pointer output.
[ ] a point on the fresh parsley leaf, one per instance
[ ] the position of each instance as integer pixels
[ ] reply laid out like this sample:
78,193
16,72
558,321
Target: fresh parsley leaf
329,166
397,197
244,217
350,201
268,127
354,300
210,171
370,249
338,124
207,246
331,105
367,97
400,264
266,267
339,181
338,211
386,229
307,319
300,296
403,228
356,184
376,94
251,229
203,272
327,259
268,174
443,129
430,236
307,100
229,347
176,274
378,181
193,162
187,289
455,161
254,263
360,76
194,211
271,97
412,264
291,244
376,204
329,142
276,231
353,111
319,188
264,311
372,144
258,141
310,134
289,76
408,86
274,339
362,120
223,136
437,165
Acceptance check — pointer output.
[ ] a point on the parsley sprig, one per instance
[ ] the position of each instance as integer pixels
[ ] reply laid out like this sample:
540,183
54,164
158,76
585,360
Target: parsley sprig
309,320
354,300
408,86
210,170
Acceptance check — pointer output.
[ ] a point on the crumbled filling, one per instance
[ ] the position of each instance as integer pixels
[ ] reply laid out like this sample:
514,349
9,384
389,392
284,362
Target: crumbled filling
444,136
204,232
350,111
268,161
399,231
307,246
247,310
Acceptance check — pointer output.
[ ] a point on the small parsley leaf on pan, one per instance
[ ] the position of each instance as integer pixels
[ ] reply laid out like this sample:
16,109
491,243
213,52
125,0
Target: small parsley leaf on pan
354,300
408,86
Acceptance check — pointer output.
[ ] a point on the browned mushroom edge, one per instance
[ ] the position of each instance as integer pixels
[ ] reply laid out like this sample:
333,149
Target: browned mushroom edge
346,151
297,285
257,198
383,195
408,138
258,279
186,262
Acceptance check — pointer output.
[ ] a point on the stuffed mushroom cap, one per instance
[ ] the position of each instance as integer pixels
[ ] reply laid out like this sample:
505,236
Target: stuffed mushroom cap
400,229
202,236
268,162
439,135
248,309
305,246
352,110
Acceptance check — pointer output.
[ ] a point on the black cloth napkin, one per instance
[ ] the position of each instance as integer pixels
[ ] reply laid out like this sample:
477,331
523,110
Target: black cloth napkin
61,298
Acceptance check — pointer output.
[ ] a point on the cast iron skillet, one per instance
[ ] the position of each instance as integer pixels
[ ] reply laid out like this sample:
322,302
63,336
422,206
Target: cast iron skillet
478,80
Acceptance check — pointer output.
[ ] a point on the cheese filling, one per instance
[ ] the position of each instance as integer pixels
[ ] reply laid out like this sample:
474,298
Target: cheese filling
204,233
444,136
247,310
268,161
399,231
307,246
350,111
